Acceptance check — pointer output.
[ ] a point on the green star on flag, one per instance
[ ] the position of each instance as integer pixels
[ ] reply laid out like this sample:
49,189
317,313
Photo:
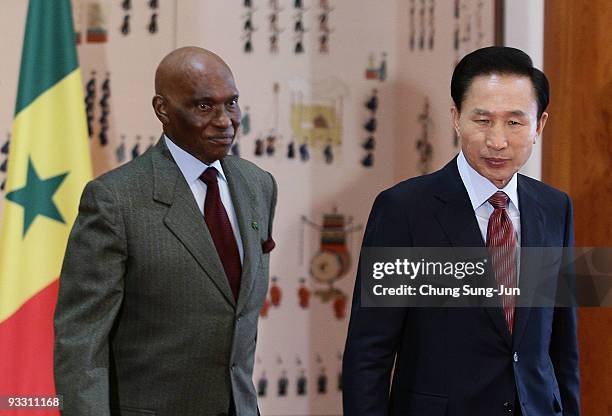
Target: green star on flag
36,197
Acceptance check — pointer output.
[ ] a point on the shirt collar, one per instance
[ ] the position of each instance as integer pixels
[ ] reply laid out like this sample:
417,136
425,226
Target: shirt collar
190,166
479,188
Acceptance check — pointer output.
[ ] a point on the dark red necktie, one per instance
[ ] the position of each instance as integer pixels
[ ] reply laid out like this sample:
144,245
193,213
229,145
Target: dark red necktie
501,242
221,230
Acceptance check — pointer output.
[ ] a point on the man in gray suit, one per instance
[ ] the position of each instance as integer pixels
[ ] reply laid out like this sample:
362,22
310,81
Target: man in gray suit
167,265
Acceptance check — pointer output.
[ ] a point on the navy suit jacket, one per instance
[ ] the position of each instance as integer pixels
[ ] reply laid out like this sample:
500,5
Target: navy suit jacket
460,361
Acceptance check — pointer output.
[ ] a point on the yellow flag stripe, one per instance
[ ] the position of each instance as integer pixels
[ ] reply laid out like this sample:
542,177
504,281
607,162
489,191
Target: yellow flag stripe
52,132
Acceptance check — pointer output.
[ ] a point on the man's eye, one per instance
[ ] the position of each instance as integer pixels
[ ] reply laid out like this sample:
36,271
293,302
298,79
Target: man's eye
204,106
233,102
514,123
482,121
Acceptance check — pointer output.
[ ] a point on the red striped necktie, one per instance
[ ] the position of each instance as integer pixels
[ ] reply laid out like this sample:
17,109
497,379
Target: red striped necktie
221,230
501,242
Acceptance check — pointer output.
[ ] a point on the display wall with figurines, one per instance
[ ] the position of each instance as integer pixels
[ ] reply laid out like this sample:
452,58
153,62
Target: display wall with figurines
340,99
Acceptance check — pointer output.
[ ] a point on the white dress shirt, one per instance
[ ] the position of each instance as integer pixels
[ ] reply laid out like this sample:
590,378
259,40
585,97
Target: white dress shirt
192,168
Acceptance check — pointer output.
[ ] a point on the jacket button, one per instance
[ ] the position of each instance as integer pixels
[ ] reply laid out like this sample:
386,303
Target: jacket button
515,357
509,407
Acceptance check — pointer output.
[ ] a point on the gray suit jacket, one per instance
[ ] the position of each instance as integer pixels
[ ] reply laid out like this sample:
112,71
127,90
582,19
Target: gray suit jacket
146,323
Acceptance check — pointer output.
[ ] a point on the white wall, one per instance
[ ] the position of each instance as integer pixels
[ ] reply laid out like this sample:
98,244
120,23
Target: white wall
524,29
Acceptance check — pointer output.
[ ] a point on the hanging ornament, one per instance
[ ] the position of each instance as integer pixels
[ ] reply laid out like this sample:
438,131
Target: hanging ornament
275,293
120,151
96,23
422,25
322,382
259,148
105,111
125,26
291,150
270,144
265,308
152,27
423,144
245,123
235,149
412,25
283,384
248,27
333,260
136,148
370,126
304,154
328,153
262,385
368,160
302,384
303,294
431,24
90,97
340,306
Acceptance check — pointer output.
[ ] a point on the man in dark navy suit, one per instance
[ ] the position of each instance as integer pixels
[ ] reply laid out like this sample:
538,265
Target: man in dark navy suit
478,361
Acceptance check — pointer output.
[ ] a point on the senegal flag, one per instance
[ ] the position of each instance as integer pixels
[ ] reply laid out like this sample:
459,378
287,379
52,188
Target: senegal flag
49,165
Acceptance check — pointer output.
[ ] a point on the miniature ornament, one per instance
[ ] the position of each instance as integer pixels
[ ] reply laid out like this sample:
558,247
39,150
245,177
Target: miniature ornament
270,144
291,150
6,146
328,154
303,294
369,144
340,306
259,148
245,123
283,384
235,149
265,308
153,24
333,259
248,27
304,154
322,382
136,148
90,97
125,26
275,293
368,160
302,384
120,151
262,385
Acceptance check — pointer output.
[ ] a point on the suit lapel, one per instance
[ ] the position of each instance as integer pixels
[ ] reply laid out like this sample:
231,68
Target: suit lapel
459,223
246,207
532,232
184,219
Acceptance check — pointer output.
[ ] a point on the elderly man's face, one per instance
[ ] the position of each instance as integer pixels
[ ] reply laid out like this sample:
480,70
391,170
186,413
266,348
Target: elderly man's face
202,111
498,125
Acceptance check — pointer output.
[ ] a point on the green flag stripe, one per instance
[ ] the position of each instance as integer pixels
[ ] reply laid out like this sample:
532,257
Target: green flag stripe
48,49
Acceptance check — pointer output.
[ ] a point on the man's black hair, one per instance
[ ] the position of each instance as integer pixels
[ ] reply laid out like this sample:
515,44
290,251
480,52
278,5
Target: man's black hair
498,60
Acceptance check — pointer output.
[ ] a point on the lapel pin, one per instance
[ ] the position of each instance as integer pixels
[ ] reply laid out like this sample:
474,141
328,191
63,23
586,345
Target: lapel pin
255,225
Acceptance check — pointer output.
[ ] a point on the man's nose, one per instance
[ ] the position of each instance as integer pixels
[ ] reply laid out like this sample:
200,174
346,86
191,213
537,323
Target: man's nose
221,119
496,138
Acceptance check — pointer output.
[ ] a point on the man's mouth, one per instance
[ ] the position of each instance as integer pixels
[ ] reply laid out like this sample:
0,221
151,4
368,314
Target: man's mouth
222,140
496,162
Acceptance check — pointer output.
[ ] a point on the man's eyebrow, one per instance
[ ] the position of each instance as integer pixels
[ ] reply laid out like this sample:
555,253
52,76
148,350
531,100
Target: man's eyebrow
481,112
211,98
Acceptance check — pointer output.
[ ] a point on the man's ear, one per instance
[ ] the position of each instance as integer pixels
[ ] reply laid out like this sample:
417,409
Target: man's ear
159,106
455,119
541,124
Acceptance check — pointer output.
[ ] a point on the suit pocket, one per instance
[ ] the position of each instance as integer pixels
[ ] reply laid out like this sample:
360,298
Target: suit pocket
131,411
420,404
